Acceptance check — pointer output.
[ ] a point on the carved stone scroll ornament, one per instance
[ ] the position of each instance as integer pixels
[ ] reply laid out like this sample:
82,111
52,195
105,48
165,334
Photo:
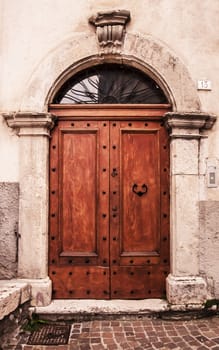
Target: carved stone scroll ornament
110,29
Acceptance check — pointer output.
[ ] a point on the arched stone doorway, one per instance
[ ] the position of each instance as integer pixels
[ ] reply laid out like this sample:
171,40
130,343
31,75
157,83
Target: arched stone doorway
109,186
185,286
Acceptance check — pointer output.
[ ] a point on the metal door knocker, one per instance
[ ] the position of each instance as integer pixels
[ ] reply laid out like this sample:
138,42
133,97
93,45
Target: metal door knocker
140,193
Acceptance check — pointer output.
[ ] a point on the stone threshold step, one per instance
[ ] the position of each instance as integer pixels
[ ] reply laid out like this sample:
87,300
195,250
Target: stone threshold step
88,309
12,294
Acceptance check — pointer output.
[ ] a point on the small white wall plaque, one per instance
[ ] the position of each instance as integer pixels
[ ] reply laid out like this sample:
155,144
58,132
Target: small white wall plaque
204,84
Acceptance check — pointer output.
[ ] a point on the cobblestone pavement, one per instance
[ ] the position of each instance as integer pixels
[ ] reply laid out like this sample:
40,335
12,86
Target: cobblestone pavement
141,335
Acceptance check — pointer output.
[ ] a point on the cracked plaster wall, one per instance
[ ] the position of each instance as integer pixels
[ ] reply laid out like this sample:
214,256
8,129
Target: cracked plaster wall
8,229
209,244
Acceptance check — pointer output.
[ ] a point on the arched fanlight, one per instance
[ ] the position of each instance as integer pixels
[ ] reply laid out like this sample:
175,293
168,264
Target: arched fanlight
110,84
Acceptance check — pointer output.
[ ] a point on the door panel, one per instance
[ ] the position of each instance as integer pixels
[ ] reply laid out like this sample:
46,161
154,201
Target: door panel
139,253
140,191
79,221
79,197
80,282
138,282
109,207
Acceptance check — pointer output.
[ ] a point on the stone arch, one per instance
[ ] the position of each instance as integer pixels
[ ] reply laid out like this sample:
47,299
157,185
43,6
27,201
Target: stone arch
142,52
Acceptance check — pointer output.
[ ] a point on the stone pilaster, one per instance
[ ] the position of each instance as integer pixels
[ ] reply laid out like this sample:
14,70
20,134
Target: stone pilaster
184,285
33,130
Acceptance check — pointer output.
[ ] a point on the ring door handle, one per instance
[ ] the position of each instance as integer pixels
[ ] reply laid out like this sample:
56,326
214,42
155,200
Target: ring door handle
144,189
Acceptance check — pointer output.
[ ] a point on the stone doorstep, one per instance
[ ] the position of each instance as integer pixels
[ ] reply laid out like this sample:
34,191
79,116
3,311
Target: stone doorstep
12,294
16,292
89,308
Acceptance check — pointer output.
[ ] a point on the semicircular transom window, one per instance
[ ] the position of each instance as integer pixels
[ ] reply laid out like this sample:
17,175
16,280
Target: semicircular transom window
110,84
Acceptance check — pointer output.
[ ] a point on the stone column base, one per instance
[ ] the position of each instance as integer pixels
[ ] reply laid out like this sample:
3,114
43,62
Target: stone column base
186,292
41,291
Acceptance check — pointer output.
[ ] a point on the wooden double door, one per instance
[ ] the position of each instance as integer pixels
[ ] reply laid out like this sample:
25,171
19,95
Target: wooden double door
109,204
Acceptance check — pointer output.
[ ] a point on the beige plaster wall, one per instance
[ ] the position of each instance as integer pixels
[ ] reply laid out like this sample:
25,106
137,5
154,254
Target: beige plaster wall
31,30
188,27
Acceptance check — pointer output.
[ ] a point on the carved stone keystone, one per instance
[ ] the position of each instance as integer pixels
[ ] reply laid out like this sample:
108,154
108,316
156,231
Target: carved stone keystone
110,29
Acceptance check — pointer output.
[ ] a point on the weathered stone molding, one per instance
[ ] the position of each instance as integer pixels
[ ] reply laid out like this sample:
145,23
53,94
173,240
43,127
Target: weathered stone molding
81,51
29,123
110,29
188,125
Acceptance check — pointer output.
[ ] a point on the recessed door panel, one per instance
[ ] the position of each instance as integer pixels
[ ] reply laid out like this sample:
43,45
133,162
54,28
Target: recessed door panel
140,190
138,282
79,177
